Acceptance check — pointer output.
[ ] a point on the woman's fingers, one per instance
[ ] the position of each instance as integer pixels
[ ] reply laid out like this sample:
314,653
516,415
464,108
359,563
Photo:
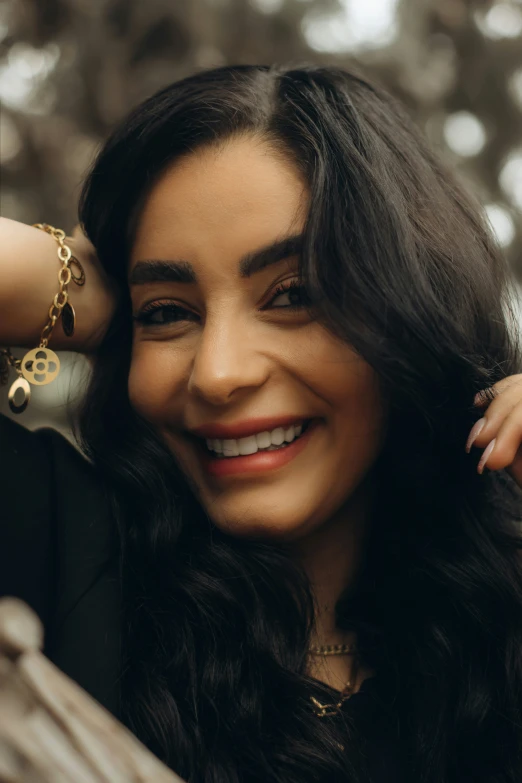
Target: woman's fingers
499,431
512,382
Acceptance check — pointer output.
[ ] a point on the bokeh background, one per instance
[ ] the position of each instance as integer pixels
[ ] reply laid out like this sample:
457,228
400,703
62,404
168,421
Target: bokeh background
70,69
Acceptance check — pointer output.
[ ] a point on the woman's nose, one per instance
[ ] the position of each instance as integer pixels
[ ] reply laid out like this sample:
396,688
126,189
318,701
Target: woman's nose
227,359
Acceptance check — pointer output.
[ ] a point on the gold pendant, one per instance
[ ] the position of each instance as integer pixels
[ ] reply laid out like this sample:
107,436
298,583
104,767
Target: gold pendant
20,383
40,366
78,279
68,319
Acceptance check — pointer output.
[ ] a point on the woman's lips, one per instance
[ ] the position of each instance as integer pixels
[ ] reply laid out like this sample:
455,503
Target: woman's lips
254,463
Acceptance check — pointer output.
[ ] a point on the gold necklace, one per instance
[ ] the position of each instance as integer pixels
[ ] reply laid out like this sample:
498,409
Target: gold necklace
334,649
326,710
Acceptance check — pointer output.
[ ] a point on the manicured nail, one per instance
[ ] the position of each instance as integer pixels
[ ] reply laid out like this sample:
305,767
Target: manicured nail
475,431
489,448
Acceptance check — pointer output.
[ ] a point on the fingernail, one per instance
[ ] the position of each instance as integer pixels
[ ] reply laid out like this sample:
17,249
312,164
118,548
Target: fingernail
489,448
475,431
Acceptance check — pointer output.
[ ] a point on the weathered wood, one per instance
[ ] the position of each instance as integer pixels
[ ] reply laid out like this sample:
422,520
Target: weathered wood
51,730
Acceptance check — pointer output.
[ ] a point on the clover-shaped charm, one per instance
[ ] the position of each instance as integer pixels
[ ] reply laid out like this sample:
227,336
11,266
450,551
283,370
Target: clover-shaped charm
40,366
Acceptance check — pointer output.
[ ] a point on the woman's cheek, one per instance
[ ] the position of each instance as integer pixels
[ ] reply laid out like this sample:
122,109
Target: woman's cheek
151,382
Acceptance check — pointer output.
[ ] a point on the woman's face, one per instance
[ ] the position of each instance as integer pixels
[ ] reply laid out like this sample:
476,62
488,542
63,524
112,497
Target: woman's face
225,348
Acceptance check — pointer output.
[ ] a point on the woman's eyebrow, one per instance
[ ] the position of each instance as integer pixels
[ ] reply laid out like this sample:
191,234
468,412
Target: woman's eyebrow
180,271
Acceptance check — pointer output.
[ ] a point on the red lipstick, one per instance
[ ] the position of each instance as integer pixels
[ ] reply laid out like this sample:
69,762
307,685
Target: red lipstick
255,463
242,429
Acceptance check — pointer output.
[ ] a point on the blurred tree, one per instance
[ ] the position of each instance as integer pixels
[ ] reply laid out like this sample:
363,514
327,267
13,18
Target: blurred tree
70,69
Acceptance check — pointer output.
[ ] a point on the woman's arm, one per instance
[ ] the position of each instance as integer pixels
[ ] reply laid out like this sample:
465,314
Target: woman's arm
29,269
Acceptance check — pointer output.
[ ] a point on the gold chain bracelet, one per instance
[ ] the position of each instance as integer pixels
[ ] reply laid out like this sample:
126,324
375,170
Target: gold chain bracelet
41,365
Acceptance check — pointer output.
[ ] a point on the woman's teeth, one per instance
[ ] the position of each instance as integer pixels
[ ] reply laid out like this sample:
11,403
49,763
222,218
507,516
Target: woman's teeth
262,441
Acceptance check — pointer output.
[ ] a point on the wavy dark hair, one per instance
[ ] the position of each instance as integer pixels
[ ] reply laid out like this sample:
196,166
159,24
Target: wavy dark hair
399,262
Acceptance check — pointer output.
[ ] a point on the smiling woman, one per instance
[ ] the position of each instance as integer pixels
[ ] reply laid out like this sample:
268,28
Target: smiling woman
317,585
234,349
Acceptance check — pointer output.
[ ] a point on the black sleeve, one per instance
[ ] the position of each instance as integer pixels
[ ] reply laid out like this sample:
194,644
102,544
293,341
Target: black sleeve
27,552
56,535
59,554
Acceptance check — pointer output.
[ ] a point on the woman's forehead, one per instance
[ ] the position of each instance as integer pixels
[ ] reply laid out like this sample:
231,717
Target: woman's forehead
242,178
227,203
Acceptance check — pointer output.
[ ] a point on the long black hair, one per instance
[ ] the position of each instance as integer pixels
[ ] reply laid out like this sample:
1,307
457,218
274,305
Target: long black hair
399,262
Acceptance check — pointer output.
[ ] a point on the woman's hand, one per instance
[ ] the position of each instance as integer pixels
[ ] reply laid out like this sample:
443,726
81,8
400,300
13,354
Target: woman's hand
29,267
102,292
499,431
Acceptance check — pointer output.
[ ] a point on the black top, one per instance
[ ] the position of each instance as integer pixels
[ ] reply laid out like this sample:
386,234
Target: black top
58,553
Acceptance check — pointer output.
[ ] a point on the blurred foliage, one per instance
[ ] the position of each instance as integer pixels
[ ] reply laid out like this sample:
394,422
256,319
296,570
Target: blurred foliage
69,69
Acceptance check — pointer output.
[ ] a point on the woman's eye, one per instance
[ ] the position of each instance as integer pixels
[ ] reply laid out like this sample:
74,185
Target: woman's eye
292,291
162,314
158,314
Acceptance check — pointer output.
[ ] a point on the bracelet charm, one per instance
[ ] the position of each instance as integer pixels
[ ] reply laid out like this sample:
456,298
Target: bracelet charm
41,365
8,360
68,319
22,384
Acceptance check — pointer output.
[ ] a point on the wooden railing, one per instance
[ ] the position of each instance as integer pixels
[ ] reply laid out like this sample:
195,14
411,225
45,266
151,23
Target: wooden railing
51,730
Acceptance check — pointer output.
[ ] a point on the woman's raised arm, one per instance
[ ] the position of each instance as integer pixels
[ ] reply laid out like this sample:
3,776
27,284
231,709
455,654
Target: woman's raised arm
29,269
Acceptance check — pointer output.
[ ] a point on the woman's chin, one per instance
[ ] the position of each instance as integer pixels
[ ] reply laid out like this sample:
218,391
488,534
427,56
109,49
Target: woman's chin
276,532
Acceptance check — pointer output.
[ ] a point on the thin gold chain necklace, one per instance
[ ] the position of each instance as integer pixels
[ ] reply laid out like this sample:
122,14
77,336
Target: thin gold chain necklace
334,649
326,710
334,708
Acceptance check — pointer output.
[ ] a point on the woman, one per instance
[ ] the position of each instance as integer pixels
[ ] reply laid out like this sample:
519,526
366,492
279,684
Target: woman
292,263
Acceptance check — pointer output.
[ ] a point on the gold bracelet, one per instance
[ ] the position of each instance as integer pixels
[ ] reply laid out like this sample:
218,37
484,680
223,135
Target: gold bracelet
41,365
